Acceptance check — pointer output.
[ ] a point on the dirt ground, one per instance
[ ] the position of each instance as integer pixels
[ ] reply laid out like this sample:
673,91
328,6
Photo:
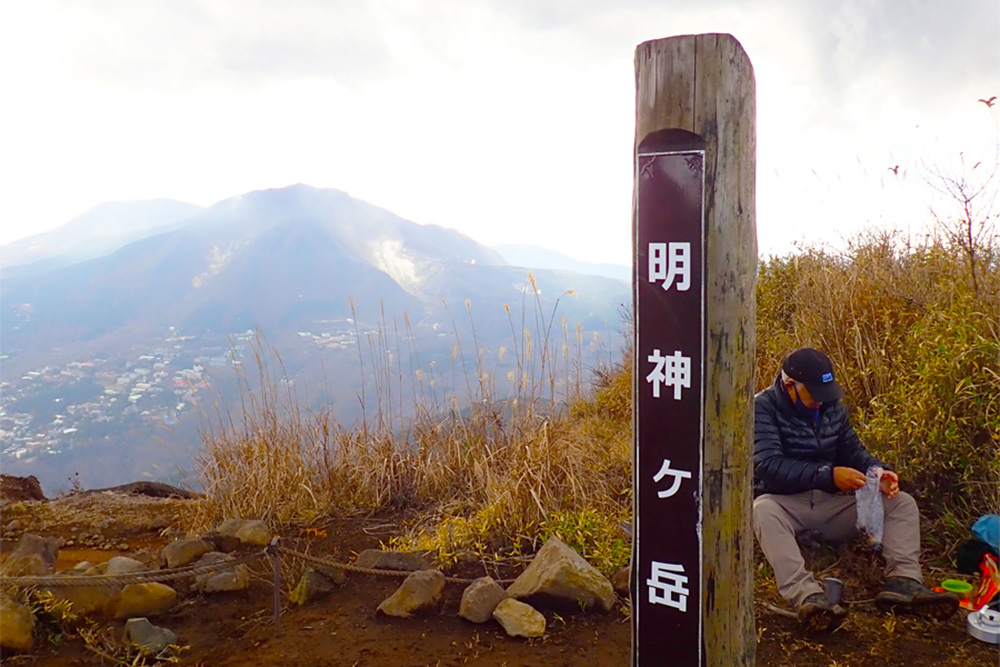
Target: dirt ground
343,628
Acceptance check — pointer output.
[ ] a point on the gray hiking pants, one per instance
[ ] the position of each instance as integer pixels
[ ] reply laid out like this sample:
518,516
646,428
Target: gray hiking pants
777,518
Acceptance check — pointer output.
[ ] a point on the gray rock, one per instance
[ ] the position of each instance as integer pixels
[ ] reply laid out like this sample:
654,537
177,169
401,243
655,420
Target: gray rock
33,556
183,552
147,599
148,637
13,526
560,576
124,565
247,531
408,561
224,577
519,619
420,591
158,523
312,586
479,600
17,625
235,579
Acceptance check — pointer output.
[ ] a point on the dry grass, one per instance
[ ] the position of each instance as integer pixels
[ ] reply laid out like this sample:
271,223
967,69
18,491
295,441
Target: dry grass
481,472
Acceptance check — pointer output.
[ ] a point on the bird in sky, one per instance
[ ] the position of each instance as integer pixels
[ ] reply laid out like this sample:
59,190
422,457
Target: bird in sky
990,101
895,170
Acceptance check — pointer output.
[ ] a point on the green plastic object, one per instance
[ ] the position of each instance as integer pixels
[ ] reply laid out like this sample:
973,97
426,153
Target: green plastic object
957,586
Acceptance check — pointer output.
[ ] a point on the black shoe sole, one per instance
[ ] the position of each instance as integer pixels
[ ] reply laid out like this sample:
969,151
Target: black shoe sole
820,619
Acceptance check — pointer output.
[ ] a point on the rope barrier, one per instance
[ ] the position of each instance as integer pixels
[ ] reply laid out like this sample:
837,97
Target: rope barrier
323,562
171,574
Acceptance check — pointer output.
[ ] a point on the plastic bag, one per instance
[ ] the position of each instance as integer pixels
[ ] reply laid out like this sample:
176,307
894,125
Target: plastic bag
871,516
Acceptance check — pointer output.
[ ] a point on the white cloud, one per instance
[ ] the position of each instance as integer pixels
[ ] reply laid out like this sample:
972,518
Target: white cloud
510,121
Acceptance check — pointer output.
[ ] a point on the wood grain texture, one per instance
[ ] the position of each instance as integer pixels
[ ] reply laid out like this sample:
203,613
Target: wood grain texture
705,84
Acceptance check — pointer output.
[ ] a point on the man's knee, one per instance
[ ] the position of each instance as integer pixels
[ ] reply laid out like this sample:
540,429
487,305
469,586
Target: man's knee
902,504
767,513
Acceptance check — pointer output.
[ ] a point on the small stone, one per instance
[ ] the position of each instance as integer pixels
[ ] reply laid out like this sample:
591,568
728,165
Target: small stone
420,591
158,523
124,565
247,531
17,625
147,599
225,578
183,552
123,546
14,526
237,579
519,619
620,582
312,586
480,599
148,637
411,561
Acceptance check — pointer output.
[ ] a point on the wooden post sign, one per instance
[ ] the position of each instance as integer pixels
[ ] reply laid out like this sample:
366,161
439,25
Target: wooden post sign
695,269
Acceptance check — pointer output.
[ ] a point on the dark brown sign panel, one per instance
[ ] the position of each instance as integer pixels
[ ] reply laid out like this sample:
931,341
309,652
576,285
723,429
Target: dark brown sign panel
669,357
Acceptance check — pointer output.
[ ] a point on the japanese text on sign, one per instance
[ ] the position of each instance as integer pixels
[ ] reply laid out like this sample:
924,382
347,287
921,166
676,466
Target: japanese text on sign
670,262
676,477
671,371
668,585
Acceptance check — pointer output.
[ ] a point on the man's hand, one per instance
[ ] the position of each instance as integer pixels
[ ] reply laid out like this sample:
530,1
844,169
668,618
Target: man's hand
848,479
889,483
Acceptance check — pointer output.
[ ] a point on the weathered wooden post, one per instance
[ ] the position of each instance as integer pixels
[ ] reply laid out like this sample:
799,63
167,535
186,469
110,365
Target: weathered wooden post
695,258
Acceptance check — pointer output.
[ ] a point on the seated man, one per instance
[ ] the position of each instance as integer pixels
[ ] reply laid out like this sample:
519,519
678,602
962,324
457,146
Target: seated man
808,461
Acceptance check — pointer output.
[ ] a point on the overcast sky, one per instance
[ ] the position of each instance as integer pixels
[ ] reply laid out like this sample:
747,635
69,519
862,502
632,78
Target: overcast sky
509,120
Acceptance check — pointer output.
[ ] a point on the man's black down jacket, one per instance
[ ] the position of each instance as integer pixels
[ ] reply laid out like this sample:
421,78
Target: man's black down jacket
791,455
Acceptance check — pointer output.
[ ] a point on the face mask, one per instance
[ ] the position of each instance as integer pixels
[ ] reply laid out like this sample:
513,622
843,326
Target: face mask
800,407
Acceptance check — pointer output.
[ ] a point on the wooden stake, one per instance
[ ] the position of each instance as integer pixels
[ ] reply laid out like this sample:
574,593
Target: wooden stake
704,84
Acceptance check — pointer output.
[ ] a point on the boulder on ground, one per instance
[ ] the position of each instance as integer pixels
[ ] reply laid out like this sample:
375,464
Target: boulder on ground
33,556
247,531
183,552
407,561
419,591
313,585
17,625
479,600
561,577
15,488
147,599
519,619
148,637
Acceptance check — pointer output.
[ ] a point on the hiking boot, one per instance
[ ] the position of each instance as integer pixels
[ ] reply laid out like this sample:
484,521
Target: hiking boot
817,614
902,594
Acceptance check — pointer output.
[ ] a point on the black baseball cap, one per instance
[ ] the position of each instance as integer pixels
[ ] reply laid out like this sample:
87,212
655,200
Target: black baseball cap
813,369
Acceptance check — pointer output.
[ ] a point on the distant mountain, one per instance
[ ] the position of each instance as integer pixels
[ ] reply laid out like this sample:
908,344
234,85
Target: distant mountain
101,230
543,258
119,356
